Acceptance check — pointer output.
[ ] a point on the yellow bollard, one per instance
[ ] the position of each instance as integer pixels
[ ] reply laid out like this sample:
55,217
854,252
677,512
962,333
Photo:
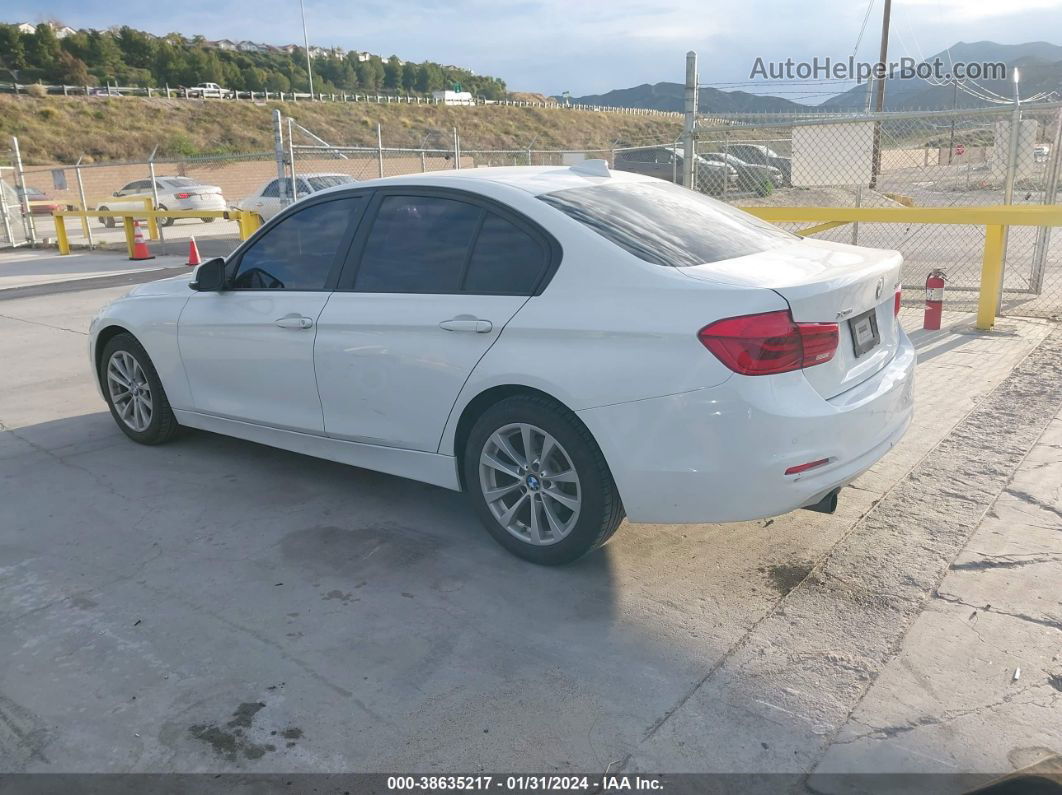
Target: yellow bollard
249,223
60,234
991,277
127,222
152,222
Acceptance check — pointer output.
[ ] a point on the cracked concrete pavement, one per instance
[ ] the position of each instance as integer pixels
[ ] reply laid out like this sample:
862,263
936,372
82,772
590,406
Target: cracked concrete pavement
180,608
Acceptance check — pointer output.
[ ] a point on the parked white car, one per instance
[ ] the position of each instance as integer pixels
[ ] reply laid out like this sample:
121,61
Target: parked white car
209,91
267,201
565,344
175,193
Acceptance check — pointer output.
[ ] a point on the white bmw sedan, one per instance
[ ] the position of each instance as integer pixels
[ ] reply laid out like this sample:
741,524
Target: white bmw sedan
567,345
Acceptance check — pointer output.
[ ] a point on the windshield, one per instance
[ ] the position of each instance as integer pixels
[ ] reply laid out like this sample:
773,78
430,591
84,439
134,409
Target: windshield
666,224
329,181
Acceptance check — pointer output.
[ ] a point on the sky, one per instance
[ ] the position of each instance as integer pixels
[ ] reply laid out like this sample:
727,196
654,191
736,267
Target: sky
586,46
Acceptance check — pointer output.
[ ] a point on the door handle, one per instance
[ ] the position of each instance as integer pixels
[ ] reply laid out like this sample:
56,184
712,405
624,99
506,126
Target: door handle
294,321
467,323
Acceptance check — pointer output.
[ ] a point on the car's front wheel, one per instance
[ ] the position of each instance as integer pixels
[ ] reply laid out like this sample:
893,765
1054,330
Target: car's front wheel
538,481
134,392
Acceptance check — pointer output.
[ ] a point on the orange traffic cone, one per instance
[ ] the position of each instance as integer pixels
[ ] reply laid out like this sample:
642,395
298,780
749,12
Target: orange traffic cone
140,248
193,254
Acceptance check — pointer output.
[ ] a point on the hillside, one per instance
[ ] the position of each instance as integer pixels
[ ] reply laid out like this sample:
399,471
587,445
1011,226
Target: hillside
1040,64
61,55
671,96
61,129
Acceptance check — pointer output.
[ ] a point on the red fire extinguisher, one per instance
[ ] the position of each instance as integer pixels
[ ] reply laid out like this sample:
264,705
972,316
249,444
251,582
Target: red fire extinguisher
934,300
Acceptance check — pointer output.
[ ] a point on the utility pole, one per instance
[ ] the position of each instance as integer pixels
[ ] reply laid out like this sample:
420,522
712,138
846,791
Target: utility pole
306,46
689,129
879,92
954,105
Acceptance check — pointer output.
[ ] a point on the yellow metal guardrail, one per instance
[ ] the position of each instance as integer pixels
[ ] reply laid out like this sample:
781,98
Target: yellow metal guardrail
994,218
248,221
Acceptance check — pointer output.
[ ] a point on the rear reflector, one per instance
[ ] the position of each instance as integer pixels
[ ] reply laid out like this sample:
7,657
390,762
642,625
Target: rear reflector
769,343
805,467
896,306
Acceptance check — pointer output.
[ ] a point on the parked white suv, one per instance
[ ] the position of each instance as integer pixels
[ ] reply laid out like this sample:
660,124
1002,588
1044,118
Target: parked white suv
565,344
175,193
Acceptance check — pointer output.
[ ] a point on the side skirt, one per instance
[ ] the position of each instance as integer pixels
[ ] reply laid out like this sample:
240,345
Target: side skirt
438,470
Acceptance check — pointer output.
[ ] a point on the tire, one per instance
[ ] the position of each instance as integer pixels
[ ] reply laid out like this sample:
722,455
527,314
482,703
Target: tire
564,534
107,222
159,425
165,221
210,220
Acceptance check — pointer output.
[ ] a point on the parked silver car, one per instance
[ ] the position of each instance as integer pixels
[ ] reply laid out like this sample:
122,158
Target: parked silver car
273,196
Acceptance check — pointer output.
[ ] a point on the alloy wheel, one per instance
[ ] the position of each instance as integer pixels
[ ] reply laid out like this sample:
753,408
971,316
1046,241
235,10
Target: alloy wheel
130,391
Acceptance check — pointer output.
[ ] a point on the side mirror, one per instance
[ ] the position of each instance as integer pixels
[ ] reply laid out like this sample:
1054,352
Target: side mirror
116,193
210,276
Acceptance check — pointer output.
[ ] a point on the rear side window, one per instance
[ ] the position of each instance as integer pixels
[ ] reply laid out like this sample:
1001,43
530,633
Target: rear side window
418,244
666,224
329,181
504,260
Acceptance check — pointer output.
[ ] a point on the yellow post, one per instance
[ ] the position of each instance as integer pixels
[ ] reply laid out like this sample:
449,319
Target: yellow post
249,223
152,222
127,222
84,219
60,234
991,277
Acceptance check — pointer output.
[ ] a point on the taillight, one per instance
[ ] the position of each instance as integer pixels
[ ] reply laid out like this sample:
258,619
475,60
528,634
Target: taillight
183,195
896,306
769,343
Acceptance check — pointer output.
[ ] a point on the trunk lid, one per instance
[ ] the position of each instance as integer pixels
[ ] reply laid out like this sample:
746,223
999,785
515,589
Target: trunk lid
825,282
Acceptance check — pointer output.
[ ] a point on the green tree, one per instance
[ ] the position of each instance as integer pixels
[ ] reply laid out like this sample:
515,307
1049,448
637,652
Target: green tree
137,48
392,77
43,51
409,76
12,51
276,81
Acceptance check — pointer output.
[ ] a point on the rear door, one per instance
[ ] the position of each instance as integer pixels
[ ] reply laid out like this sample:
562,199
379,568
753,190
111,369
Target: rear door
432,281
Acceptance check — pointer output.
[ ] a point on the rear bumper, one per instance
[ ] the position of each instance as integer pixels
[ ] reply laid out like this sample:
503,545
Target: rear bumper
720,454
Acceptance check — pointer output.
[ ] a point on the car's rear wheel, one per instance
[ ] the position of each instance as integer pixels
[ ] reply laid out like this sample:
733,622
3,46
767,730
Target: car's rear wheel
538,481
134,392
165,221
209,220
108,221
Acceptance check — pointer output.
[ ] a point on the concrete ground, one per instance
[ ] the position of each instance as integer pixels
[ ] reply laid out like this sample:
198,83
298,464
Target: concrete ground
215,605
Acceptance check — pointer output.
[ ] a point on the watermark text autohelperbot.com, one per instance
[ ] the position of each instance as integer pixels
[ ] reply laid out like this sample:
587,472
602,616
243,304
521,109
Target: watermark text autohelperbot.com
850,69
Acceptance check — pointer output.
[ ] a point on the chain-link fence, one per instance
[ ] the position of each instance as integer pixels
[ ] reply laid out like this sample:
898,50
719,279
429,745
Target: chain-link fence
922,159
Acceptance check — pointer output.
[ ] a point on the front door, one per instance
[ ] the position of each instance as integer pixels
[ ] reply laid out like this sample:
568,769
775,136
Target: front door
248,350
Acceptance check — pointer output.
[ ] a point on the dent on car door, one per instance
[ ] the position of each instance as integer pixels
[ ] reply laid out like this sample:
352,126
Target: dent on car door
434,281
248,349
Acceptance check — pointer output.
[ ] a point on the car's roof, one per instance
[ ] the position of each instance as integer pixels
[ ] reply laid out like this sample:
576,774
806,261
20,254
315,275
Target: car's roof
535,180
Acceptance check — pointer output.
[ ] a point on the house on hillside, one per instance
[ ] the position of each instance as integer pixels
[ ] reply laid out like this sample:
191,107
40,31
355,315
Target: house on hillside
222,44
250,46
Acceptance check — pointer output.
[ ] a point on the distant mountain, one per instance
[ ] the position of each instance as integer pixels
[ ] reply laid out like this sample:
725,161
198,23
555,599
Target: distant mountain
1040,64
671,96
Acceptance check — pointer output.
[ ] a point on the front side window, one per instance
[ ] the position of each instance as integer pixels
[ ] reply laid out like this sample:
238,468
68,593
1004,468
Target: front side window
418,244
666,224
299,252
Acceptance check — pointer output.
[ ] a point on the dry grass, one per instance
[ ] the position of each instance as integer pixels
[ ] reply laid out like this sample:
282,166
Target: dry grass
61,129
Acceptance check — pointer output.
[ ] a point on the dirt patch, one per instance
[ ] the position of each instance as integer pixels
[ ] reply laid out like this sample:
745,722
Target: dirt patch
784,577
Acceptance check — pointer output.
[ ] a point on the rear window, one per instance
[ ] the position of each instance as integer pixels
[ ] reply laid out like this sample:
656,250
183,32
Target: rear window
329,181
180,182
666,224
